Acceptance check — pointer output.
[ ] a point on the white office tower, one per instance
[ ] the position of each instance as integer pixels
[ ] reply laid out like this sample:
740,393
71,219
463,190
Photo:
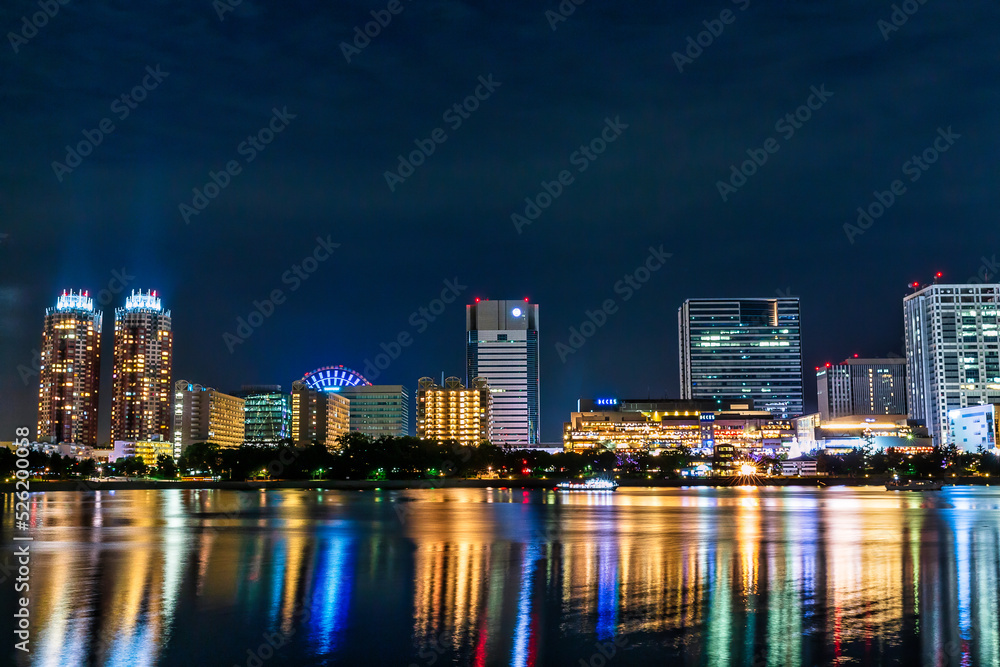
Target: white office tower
502,347
952,354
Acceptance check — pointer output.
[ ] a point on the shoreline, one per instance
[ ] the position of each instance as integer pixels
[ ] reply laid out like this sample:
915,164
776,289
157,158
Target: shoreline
399,485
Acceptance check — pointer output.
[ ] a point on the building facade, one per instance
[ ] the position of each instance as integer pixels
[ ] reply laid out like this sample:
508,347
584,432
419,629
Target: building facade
379,410
733,349
318,416
975,428
454,412
202,414
862,387
148,450
952,352
141,398
669,424
502,347
849,432
267,412
800,466
70,371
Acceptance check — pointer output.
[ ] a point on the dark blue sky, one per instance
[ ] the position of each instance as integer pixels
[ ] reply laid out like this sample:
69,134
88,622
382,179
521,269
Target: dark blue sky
324,175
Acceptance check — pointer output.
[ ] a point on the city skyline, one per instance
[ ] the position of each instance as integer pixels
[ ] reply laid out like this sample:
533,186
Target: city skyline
332,375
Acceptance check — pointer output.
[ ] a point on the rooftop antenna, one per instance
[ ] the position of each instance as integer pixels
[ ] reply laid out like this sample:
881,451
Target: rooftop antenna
936,276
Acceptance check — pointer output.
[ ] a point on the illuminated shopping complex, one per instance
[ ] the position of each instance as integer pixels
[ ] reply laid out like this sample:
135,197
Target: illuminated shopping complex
648,425
843,434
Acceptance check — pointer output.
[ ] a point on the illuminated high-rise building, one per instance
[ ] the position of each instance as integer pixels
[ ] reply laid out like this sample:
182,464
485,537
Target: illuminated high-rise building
862,387
454,412
379,410
952,352
733,349
318,416
502,347
202,414
268,414
69,371
142,405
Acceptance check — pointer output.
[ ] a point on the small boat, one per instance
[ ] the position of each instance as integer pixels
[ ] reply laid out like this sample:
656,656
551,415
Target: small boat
914,485
592,484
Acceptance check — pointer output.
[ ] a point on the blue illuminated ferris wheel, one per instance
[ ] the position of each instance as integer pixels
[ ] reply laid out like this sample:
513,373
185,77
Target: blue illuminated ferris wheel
334,378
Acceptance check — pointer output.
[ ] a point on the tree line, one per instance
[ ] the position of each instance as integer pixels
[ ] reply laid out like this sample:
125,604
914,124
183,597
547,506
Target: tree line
357,456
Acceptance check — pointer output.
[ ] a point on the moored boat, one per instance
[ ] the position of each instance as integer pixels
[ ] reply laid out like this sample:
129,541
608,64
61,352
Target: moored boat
592,484
914,485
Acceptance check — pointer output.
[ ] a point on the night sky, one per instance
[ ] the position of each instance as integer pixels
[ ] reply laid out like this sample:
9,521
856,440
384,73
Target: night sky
550,92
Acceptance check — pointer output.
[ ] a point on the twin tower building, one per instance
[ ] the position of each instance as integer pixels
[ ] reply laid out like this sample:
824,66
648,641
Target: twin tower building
70,370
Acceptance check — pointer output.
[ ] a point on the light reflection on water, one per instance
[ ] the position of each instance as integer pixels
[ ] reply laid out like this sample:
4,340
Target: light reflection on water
732,576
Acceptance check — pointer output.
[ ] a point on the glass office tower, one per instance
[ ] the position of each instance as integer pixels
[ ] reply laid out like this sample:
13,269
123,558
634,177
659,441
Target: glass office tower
379,410
267,412
734,349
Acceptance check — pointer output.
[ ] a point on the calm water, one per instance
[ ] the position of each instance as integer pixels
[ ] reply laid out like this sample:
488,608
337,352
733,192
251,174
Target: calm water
509,577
